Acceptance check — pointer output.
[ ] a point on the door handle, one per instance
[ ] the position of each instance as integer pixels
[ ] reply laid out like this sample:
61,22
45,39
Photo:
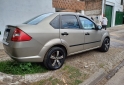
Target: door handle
87,33
65,33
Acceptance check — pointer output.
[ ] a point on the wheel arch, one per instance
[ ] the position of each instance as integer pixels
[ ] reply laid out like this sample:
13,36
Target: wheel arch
61,46
49,45
106,35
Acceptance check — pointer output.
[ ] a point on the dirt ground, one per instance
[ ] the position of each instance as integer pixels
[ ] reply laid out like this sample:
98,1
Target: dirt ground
85,64
3,55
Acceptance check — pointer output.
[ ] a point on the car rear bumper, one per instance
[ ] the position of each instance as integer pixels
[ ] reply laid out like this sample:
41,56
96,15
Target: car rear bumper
24,51
27,59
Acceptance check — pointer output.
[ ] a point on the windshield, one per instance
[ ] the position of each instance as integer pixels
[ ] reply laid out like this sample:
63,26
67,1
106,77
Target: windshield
37,19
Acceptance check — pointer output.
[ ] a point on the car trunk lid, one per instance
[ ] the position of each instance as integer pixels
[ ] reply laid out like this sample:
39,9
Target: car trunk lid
14,33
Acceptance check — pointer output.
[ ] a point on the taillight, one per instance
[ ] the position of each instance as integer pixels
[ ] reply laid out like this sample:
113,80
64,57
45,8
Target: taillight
19,35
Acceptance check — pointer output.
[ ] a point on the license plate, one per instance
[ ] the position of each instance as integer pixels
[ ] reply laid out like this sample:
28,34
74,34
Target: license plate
5,36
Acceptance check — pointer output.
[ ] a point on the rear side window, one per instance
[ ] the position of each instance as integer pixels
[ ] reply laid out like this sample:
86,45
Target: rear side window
69,22
37,19
55,23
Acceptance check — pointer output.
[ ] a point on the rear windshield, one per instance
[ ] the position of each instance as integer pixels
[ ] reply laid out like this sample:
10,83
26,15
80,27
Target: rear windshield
37,19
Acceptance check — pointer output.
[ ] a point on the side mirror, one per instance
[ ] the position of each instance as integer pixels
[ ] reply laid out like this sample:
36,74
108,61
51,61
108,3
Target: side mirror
98,27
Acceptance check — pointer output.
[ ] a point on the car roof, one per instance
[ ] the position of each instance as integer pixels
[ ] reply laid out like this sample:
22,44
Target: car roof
51,17
73,13
61,13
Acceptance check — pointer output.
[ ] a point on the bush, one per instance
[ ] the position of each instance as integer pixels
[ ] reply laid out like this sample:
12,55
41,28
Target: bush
17,68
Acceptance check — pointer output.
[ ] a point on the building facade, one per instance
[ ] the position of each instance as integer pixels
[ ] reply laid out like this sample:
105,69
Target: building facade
114,12
19,11
90,7
112,9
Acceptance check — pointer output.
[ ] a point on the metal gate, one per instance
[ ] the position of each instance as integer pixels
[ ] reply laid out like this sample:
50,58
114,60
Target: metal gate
119,18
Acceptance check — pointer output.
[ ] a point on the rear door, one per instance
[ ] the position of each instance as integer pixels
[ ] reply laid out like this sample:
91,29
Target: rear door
91,35
71,33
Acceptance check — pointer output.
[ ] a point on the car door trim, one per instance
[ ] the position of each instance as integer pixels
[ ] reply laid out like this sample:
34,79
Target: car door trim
84,43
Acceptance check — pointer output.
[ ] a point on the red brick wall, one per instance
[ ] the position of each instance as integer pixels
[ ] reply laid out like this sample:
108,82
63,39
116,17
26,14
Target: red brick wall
93,5
86,5
69,4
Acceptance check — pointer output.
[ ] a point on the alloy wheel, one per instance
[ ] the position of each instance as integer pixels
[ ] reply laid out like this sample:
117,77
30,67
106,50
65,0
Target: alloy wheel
107,44
56,59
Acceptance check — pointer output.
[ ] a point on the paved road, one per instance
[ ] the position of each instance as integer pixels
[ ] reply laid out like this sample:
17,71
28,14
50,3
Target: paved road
1,45
118,79
117,41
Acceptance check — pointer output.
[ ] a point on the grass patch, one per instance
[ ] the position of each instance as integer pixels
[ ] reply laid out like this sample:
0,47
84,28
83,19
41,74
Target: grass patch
77,82
18,68
55,81
50,81
74,73
101,65
69,75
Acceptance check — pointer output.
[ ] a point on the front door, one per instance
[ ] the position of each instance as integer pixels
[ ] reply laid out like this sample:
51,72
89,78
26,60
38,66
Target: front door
108,14
71,33
92,36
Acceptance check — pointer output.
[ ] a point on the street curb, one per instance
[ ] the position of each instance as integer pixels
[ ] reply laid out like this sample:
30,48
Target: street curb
10,79
115,70
95,78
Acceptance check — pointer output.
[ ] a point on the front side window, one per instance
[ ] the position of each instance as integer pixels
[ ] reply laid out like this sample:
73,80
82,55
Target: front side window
69,22
87,24
37,19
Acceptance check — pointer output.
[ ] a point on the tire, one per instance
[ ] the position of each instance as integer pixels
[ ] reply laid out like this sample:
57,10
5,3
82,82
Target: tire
105,45
54,58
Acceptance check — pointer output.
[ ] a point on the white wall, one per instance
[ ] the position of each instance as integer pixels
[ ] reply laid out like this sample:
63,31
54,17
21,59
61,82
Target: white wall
116,7
18,11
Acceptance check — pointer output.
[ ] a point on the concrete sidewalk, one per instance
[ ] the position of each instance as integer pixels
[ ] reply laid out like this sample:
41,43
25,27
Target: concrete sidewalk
1,37
118,79
115,28
1,45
